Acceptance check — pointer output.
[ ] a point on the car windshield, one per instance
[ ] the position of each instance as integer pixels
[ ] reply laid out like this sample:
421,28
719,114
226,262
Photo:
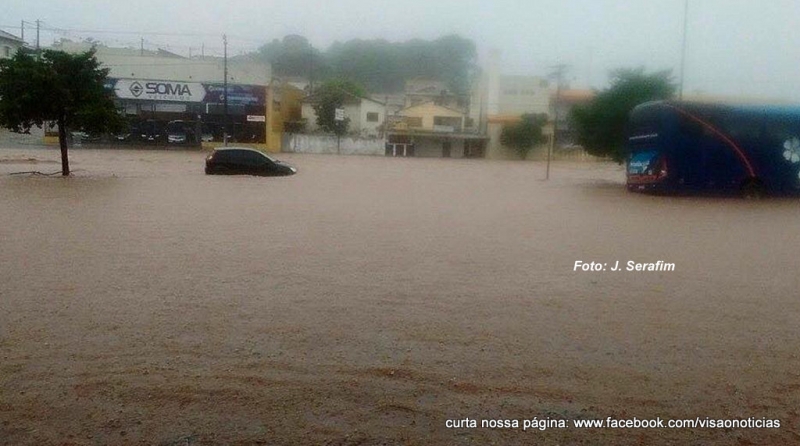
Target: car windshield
175,127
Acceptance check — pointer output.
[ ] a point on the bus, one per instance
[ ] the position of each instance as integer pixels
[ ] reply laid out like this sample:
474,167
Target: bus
684,147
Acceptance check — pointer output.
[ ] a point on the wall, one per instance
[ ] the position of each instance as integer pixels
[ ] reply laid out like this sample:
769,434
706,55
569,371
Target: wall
371,128
8,45
523,94
310,116
319,144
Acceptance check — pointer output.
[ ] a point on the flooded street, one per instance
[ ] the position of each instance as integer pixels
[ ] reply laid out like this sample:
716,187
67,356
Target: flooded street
368,300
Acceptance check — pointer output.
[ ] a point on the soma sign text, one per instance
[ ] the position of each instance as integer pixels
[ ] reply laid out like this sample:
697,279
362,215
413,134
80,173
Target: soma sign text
160,90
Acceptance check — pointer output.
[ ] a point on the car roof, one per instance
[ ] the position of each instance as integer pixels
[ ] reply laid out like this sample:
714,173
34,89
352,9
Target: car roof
233,148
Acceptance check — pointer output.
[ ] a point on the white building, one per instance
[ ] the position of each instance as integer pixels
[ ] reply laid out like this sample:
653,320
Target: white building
9,44
366,115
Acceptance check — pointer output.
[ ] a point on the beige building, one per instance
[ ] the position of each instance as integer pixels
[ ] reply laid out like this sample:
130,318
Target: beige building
431,130
421,90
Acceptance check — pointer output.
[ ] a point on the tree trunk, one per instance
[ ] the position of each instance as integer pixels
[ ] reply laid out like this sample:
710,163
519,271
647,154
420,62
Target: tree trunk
62,141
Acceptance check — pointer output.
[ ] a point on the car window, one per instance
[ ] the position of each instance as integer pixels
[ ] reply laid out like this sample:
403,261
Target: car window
255,158
222,156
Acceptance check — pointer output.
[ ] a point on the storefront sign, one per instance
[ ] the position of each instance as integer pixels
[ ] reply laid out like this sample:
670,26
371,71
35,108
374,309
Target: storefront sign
256,118
171,108
155,90
237,94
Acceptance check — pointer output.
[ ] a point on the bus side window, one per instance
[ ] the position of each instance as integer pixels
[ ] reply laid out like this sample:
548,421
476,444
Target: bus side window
778,131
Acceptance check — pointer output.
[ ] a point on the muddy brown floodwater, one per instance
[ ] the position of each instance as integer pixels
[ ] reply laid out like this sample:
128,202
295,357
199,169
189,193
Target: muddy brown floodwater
369,300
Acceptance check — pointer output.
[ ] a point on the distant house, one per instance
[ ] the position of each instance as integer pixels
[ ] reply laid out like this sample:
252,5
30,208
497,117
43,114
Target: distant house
431,130
394,101
421,90
366,115
9,45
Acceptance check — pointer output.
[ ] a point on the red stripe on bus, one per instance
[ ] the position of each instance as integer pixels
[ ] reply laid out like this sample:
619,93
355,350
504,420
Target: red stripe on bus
724,137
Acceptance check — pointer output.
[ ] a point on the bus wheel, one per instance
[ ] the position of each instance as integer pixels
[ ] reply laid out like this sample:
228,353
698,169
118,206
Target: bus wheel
753,190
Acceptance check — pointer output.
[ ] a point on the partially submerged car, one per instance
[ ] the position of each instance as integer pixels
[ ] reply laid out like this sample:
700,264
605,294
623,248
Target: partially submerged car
244,161
177,132
151,131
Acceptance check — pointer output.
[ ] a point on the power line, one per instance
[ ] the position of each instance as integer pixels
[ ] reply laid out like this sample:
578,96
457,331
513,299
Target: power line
148,33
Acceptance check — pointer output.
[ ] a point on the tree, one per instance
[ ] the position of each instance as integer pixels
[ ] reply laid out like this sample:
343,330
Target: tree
385,66
56,86
525,134
330,96
379,65
601,123
294,56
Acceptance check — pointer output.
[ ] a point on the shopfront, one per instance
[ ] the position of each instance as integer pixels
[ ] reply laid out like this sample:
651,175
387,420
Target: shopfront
188,113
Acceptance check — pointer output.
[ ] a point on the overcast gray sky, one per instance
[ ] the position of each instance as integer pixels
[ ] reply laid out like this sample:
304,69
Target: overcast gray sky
735,47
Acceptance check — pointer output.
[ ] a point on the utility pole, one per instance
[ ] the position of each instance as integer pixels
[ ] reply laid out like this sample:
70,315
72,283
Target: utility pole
683,45
141,47
37,35
22,30
225,88
310,69
558,74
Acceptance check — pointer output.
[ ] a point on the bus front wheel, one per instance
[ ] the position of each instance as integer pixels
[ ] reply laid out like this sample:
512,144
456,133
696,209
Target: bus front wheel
752,189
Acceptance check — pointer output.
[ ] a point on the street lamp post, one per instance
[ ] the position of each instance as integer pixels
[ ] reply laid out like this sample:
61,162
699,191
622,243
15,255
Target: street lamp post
558,74
225,88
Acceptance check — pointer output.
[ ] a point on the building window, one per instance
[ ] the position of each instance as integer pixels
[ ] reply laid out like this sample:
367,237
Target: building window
7,51
453,124
372,116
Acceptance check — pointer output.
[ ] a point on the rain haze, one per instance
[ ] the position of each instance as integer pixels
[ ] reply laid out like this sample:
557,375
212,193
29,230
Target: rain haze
260,254
734,47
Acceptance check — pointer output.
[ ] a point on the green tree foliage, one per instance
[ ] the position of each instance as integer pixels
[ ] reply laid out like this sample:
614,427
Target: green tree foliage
385,66
379,65
525,134
330,96
294,56
56,86
601,123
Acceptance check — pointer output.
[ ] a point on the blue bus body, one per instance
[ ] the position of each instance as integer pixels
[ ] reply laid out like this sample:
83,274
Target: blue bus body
679,147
